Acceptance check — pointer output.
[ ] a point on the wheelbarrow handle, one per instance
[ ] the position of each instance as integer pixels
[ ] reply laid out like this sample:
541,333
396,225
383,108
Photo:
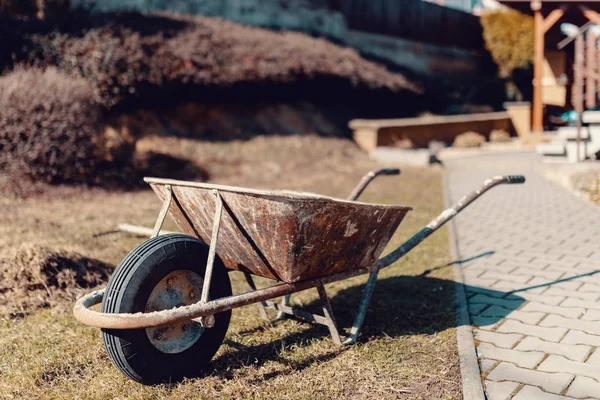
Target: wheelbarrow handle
369,176
446,216
515,179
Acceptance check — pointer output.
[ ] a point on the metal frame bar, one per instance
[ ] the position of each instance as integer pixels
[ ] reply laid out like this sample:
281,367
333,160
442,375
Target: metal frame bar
261,305
82,312
209,321
163,212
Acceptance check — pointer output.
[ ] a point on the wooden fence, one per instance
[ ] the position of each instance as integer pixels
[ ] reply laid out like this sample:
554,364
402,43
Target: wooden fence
415,20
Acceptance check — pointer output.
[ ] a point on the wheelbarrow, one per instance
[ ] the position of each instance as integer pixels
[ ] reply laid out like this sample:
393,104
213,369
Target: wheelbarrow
167,306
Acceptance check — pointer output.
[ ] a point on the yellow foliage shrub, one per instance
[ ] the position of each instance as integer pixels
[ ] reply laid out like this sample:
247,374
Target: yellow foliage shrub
508,36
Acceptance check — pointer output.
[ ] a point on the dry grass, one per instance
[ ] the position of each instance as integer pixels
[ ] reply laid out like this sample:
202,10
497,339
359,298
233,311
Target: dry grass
407,348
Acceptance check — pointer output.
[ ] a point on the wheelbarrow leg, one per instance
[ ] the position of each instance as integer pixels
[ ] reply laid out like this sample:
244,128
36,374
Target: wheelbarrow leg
362,309
261,305
285,301
328,313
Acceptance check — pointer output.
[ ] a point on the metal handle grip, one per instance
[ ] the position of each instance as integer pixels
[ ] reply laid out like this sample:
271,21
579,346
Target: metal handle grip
515,179
388,171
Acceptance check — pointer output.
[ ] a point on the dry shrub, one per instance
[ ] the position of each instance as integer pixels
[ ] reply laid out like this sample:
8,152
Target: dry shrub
49,126
51,131
508,36
38,276
499,136
468,140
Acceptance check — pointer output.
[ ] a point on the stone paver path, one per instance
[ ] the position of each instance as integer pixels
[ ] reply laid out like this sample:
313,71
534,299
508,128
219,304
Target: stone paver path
532,281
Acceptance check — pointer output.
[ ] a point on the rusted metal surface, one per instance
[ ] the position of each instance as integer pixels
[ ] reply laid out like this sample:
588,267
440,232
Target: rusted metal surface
285,236
179,288
83,314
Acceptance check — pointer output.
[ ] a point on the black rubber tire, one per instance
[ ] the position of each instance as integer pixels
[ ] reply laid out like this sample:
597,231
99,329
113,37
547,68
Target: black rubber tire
128,291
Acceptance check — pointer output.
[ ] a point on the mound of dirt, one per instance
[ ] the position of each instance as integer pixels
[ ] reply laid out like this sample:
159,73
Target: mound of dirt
38,276
160,57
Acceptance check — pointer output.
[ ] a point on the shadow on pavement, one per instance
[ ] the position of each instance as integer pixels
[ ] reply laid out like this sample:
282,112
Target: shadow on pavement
400,306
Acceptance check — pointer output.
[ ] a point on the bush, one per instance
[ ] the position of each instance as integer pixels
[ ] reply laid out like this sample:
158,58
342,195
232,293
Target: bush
499,136
468,140
49,127
508,36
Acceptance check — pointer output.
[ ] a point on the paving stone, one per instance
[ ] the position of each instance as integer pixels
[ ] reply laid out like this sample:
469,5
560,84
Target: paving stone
524,359
481,282
531,318
475,309
570,258
486,365
591,315
572,352
569,312
569,268
558,320
570,302
590,287
539,264
555,291
594,359
549,334
572,284
541,236
540,277
506,286
540,298
486,299
506,277
486,323
499,390
556,363
532,392
583,387
505,340
551,382
579,337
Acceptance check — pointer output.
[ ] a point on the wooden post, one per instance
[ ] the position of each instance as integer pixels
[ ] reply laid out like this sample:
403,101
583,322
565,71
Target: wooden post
538,60
590,64
579,50
597,66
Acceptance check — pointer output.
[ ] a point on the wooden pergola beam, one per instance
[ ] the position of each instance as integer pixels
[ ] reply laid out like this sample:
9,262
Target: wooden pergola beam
542,25
538,58
553,17
590,14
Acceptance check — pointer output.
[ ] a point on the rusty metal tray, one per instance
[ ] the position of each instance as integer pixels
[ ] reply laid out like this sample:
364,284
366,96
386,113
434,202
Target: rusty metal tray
283,235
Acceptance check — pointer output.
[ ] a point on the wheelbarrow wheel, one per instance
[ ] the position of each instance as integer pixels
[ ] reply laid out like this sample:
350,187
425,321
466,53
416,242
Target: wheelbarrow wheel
162,273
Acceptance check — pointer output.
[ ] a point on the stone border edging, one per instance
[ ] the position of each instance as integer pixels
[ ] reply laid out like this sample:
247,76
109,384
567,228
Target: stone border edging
472,388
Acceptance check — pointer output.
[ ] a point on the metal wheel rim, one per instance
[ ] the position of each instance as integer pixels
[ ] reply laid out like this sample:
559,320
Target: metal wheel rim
179,288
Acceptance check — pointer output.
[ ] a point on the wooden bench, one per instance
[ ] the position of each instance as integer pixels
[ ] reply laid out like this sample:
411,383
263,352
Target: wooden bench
372,133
